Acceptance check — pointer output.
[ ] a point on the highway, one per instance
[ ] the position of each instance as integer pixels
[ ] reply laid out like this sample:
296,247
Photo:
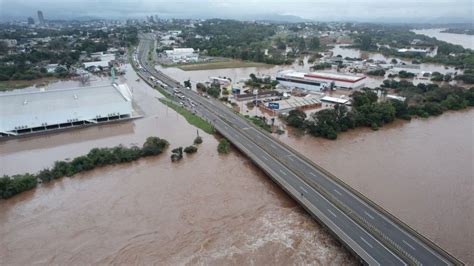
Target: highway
371,233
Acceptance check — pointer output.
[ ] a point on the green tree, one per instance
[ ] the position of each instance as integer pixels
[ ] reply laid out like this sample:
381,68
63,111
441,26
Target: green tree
190,149
314,43
365,42
223,147
154,146
296,118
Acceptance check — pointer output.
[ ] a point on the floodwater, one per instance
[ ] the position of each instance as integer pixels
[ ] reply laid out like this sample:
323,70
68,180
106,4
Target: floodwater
421,171
239,74
207,209
211,209
466,41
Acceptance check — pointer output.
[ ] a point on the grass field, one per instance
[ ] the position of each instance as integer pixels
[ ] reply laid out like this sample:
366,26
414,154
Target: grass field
225,63
190,117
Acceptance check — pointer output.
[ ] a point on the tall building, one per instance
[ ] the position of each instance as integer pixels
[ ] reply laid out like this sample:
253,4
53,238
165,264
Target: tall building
31,21
41,18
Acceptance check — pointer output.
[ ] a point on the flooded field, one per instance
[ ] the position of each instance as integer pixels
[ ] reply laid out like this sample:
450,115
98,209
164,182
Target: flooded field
207,209
238,74
466,41
421,171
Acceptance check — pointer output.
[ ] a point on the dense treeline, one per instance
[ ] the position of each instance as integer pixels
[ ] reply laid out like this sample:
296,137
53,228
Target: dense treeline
367,111
401,37
252,41
97,157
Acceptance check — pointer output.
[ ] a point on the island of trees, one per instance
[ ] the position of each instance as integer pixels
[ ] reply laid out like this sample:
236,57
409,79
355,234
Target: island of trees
97,157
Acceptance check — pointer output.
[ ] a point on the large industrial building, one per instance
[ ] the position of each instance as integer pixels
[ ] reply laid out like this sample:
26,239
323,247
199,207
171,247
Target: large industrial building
28,112
182,55
318,81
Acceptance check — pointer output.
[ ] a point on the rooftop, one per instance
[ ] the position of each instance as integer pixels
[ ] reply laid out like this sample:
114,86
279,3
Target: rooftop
323,75
32,109
334,100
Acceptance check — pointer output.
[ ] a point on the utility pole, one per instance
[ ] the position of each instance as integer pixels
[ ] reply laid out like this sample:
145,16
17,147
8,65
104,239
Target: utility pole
256,101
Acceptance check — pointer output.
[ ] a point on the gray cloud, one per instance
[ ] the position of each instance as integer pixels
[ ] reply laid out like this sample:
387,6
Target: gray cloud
324,10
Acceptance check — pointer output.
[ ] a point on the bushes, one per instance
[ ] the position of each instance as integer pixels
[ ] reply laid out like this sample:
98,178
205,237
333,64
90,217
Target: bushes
223,147
261,122
377,72
405,75
321,66
197,140
190,149
153,146
177,154
10,186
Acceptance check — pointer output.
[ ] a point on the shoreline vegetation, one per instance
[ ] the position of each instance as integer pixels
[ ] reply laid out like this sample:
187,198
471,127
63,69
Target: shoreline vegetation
421,101
97,157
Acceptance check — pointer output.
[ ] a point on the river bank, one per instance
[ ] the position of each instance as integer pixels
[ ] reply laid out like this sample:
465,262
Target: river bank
421,171
466,41
207,209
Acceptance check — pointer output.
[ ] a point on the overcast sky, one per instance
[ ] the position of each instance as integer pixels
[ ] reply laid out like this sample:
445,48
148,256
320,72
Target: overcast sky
322,10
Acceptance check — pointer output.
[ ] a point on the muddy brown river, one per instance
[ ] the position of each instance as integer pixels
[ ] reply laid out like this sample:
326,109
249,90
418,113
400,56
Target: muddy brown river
211,209
207,209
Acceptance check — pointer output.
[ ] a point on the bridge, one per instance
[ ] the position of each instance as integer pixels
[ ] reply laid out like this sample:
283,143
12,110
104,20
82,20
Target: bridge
371,233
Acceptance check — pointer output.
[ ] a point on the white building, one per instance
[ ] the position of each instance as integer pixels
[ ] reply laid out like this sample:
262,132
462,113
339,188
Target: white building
318,81
178,55
29,112
10,43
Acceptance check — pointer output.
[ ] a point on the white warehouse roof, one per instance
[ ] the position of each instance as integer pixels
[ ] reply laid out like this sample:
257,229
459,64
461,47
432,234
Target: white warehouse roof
23,110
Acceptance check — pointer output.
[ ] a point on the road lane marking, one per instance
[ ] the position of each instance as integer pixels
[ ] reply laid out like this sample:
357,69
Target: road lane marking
368,214
281,171
303,189
265,158
337,191
406,243
313,174
365,241
291,159
333,214
273,146
259,137
246,128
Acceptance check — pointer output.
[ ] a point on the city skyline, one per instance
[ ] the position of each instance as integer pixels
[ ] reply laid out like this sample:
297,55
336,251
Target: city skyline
440,11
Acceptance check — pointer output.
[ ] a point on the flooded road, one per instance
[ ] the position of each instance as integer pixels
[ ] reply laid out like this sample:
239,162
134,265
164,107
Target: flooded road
420,171
207,209
466,41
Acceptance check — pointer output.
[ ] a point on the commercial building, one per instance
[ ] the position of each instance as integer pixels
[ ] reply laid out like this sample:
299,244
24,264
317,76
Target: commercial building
29,112
41,18
319,81
334,100
286,105
182,55
260,96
